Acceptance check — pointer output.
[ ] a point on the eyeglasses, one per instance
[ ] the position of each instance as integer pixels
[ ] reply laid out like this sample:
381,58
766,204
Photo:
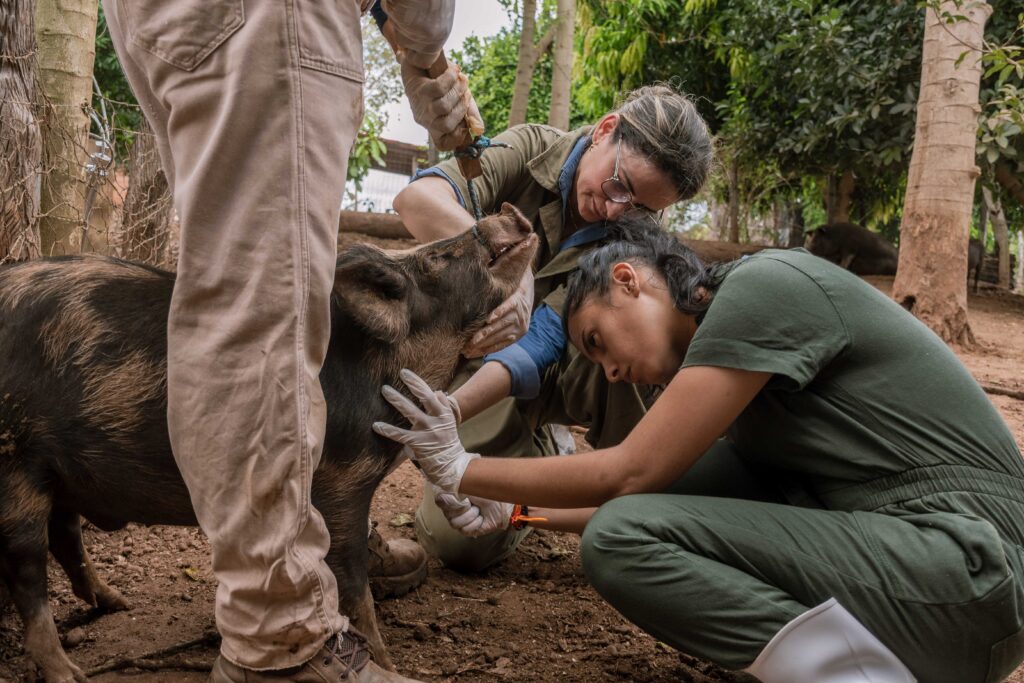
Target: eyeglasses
617,192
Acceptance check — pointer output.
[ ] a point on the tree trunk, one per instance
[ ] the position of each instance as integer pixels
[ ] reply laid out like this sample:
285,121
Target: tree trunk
145,221
795,217
1002,235
931,280
844,197
66,36
524,65
20,141
383,225
1020,262
561,71
831,198
529,56
1008,179
983,222
734,200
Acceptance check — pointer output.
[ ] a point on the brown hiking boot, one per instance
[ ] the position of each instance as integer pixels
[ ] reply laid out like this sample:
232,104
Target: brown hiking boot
343,658
395,567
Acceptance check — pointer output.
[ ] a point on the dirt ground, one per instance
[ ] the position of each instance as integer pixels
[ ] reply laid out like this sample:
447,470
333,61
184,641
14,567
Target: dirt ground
533,619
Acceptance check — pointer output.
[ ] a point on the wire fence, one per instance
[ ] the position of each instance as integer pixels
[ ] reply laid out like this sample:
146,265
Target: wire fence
72,185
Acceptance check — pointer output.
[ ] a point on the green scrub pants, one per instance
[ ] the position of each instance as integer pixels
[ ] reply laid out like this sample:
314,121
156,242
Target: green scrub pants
718,564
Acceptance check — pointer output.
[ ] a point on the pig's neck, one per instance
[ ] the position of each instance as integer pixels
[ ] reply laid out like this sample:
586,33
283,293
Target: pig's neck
431,355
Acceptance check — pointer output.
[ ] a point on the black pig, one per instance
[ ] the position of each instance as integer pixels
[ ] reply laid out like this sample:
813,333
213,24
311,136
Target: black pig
83,404
853,247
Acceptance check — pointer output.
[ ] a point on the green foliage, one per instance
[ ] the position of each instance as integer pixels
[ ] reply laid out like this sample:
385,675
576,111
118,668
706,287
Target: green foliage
1002,89
122,109
490,62
369,149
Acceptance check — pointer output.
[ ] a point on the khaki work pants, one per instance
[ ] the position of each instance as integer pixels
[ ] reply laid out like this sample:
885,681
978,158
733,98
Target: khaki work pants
255,107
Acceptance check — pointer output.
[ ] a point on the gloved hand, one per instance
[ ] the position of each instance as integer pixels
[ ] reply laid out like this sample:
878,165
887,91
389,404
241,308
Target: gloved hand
442,105
417,29
433,436
473,516
507,323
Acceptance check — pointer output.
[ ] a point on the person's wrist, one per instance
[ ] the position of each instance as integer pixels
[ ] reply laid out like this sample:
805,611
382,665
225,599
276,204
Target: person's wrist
453,480
456,408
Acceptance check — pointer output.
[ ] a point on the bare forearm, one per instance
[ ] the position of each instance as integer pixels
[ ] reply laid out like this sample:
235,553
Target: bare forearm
570,521
563,482
430,211
487,386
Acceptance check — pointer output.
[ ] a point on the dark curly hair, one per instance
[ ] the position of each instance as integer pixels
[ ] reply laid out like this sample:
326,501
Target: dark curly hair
634,239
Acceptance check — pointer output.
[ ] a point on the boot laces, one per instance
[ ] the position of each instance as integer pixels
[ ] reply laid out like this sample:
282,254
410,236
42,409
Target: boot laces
357,658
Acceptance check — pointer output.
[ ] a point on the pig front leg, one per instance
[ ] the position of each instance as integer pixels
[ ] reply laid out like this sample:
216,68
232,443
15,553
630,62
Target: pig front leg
342,495
348,559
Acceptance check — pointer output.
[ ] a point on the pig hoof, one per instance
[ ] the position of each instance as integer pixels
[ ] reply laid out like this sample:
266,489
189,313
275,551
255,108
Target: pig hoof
109,599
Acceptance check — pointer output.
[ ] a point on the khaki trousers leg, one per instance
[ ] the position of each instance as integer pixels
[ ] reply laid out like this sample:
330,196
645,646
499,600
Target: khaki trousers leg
255,109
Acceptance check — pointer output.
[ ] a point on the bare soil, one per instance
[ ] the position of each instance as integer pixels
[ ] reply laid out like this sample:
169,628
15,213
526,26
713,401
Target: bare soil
533,619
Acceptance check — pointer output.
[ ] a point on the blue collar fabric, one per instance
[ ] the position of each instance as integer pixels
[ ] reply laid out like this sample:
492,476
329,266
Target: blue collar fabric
593,231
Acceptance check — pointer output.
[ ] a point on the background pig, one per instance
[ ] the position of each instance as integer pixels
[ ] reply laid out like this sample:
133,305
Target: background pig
853,247
975,260
83,403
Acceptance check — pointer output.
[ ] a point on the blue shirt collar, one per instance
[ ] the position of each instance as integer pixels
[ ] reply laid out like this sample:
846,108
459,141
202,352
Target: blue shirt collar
593,231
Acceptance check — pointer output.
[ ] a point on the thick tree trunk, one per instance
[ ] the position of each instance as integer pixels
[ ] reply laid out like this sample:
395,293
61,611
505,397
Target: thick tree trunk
561,71
734,201
66,36
20,140
1002,235
931,280
145,222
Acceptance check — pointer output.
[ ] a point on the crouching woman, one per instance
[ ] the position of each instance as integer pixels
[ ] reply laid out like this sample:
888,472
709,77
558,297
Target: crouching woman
862,519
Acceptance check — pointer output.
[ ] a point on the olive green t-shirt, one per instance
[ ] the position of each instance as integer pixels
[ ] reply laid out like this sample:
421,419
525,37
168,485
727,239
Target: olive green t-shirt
864,398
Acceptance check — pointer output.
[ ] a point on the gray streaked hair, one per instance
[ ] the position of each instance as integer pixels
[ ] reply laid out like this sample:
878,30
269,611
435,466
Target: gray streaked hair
664,126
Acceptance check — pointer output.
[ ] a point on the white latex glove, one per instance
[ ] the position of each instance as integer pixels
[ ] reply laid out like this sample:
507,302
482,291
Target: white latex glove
433,436
507,323
442,105
418,28
473,516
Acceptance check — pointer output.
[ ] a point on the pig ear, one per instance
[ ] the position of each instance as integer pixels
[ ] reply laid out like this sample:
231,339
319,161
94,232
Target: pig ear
510,210
371,287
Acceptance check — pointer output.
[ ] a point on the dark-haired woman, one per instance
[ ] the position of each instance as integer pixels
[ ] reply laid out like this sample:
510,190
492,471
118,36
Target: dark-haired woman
862,522
650,152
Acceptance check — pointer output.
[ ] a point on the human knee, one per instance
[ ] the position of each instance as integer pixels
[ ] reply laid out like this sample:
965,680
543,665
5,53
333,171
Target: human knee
610,531
462,553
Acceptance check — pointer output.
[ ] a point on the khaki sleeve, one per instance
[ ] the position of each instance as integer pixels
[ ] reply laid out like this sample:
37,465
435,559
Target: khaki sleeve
556,299
505,171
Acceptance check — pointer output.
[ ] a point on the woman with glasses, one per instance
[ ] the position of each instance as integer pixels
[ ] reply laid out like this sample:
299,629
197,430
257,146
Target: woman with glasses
652,151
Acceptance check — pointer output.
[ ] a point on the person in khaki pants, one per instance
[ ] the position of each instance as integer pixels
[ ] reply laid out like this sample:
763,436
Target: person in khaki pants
255,106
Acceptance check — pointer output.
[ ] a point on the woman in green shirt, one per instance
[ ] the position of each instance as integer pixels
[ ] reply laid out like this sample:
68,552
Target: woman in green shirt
862,521
652,151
